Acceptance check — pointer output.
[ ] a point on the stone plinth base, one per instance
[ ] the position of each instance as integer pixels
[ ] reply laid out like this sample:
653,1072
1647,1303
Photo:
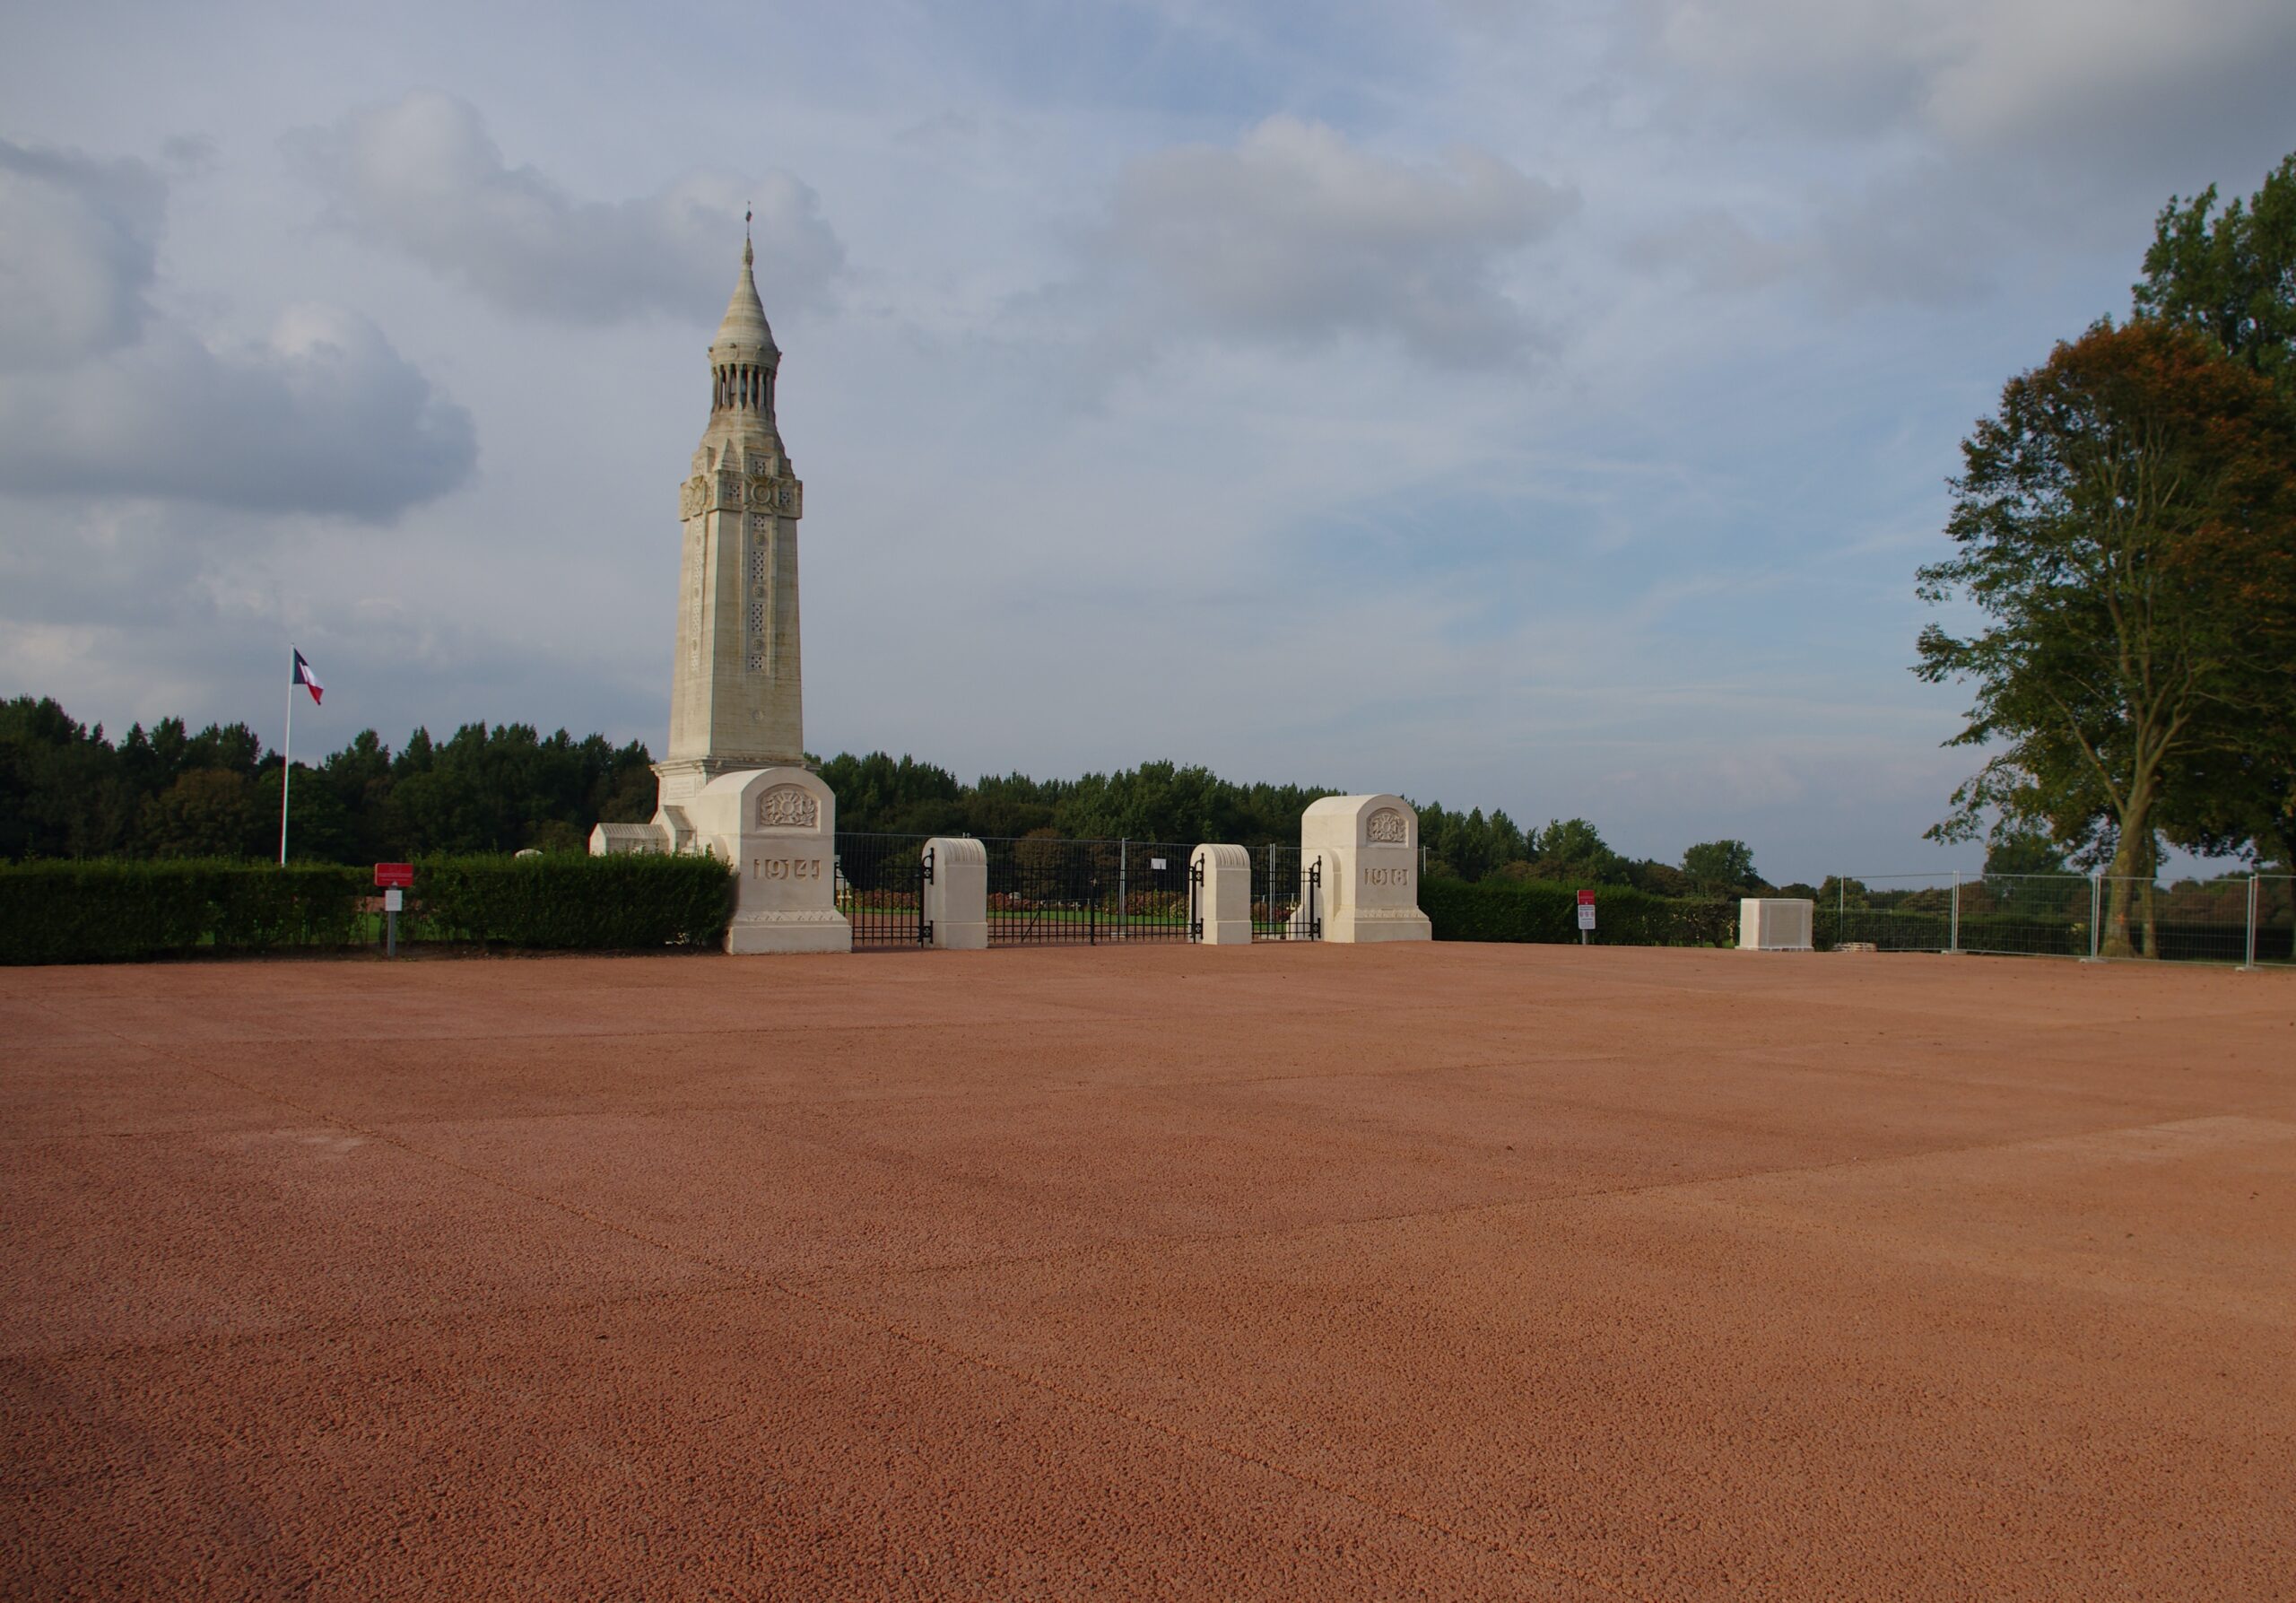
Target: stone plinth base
956,898
1223,895
752,935
1361,925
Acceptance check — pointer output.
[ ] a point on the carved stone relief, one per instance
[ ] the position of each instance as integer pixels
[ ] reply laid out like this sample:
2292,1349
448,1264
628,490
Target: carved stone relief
1387,827
789,807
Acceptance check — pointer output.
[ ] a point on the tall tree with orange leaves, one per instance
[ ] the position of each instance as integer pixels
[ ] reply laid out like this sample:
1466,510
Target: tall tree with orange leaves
2125,528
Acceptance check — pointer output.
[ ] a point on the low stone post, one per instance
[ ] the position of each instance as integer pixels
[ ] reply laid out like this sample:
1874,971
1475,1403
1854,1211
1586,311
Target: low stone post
1369,846
956,898
607,839
1223,882
778,826
1776,923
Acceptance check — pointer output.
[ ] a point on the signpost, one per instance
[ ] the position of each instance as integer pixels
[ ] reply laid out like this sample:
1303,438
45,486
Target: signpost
394,878
1585,915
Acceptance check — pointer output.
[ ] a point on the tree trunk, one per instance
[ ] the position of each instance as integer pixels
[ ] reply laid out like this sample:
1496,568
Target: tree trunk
2147,909
2131,857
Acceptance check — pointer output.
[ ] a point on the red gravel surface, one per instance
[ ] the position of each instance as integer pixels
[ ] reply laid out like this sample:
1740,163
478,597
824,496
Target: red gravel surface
1510,1272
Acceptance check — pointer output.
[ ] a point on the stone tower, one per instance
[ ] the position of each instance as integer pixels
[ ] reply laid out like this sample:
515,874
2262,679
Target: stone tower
736,694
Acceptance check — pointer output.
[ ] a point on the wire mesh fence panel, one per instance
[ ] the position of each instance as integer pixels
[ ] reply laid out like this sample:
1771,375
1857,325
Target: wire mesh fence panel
1287,895
1892,912
1048,891
1149,899
2275,918
2026,915
2190,922
880,890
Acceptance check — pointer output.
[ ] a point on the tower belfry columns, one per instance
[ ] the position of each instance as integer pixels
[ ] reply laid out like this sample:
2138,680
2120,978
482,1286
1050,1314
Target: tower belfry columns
737,689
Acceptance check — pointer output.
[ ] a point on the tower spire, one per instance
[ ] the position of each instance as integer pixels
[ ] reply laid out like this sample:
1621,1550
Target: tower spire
744,360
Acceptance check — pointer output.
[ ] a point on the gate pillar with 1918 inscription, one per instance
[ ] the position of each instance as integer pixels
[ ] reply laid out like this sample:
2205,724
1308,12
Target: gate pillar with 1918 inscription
778,826
1369,846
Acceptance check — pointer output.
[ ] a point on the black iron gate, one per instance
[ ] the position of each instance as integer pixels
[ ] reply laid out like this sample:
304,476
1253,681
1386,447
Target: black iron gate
1044,891
1156,894
1287,895
880,883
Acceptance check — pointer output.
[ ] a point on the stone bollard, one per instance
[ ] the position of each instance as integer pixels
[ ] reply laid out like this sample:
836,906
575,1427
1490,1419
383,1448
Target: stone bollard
1369,846
607,839
778,826
1776,923
956,898
1222,877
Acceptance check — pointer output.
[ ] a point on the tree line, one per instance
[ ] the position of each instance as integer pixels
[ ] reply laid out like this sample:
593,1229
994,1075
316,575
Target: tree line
69,791
66,790
2124,524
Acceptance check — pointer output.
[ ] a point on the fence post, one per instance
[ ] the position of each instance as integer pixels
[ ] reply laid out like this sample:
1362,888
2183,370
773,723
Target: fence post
1840,911
1123,891
1954,926
2096,910
2250,961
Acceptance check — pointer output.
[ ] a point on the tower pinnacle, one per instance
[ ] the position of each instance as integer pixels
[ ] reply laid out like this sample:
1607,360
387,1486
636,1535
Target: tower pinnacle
744,360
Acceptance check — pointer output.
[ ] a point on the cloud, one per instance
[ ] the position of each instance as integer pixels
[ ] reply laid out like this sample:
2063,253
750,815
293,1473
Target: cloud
1295,238
78,241
2130,76
423,177
101,396
1913,237
322,416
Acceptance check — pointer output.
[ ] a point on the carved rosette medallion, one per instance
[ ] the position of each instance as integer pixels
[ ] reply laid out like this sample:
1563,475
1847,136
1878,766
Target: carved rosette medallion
789,807
1387,827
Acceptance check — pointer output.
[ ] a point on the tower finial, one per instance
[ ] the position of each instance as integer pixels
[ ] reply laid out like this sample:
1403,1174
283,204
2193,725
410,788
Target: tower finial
749,252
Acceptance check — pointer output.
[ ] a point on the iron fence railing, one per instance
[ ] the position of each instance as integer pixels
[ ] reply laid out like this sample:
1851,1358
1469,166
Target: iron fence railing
2248,919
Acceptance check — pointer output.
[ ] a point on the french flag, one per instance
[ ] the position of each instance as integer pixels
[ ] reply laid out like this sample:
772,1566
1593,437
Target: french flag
308,680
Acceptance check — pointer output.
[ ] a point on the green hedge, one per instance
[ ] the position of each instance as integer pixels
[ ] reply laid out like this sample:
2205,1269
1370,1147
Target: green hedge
626,901
123,912
118,912
1541,911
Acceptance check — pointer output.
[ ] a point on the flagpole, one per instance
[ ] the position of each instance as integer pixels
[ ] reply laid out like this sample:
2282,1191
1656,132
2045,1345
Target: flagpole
287,757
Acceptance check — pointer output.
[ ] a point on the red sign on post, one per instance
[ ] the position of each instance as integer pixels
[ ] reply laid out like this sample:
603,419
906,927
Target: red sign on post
1585,898
399,875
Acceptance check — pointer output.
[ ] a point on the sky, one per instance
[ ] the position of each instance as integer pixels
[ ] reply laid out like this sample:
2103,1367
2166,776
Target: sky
1540,407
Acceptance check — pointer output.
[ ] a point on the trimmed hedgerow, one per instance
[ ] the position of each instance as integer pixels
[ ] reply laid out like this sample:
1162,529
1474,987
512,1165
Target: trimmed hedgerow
1543,911
625,902
127,912
119,912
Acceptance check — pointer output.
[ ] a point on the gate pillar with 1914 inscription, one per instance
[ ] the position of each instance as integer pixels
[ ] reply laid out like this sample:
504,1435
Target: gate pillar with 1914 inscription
778,826
1369,846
